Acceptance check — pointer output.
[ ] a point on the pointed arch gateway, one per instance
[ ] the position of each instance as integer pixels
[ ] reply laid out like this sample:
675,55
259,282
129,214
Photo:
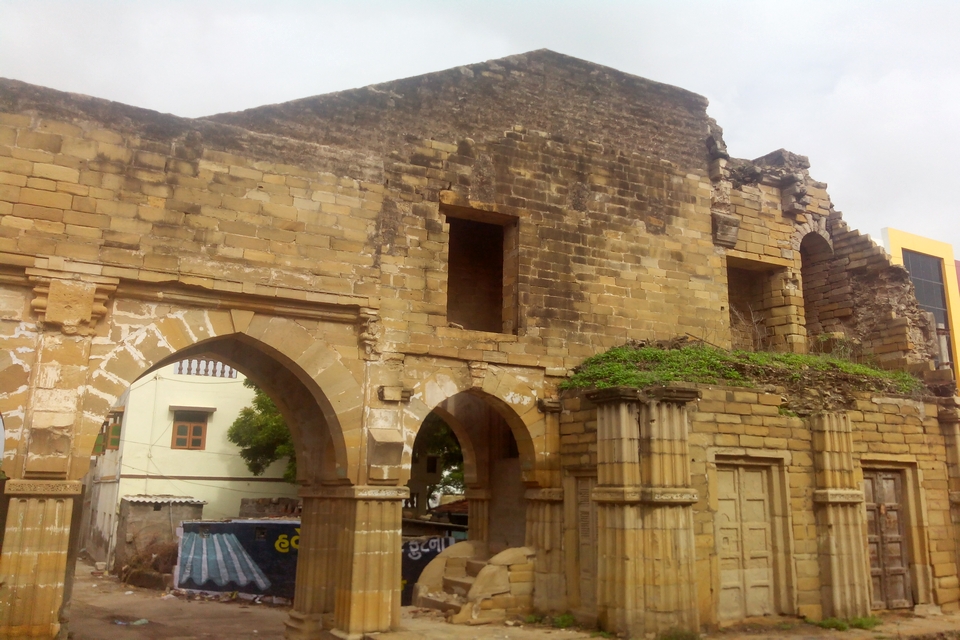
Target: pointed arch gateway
316,393
321,400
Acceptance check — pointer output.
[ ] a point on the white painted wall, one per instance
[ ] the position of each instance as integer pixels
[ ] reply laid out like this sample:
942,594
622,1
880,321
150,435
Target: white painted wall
147,464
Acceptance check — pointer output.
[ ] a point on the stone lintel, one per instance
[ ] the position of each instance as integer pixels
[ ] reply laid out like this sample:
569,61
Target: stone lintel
674,393
339,309
668,495
551,494
615,394
646,495
43,487
838,496
362,492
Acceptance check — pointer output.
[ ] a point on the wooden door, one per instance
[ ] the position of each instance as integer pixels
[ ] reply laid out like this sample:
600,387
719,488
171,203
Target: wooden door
744,542
587,534
886,542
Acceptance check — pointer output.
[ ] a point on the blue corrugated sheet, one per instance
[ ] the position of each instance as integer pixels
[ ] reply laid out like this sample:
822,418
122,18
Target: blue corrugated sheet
218,558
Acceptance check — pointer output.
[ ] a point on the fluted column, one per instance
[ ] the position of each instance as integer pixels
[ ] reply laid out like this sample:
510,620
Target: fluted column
317,558
350,578
478,505
646,559
33,564
545,534
667,501
844,571
619,535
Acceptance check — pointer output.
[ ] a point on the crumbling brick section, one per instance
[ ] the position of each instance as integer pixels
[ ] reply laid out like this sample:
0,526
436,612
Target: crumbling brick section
860,293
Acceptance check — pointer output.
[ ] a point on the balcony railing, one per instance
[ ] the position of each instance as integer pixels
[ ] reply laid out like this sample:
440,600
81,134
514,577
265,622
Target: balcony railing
204,367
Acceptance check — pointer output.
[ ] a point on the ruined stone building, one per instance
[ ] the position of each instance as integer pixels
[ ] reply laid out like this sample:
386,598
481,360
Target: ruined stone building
458,242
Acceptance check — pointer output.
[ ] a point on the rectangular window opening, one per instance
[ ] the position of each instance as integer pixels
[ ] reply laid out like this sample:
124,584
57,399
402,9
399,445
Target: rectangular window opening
189,430
113,425
926,273
748,307
482,271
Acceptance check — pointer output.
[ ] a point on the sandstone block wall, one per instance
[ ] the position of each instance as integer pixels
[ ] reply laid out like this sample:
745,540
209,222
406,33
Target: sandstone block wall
739,426
308,244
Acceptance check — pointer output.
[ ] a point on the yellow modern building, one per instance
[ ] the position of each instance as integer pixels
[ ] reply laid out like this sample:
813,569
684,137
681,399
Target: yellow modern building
934,273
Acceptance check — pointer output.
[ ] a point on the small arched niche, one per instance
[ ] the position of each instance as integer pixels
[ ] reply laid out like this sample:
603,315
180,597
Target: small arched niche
815,255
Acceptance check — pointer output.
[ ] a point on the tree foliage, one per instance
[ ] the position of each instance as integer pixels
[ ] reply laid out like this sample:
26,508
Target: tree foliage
262,435
436,438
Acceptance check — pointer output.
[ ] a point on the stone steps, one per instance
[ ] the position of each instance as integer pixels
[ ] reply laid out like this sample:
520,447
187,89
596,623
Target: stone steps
442,602
470,589
457,585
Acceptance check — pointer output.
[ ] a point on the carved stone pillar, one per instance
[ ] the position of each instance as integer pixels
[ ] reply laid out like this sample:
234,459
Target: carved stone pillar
646,561
52,454
348,570
619,540
545,534
316,563
844,572
667,510
33,564
948,416
478,504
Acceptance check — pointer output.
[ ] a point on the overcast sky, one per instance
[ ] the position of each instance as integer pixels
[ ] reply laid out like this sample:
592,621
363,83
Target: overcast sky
868,90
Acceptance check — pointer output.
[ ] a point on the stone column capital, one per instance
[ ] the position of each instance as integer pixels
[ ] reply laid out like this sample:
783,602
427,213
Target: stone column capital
615,394
676,393
476,494
43,487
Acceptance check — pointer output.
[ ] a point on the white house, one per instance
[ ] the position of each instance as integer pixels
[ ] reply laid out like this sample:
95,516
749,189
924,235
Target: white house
168,437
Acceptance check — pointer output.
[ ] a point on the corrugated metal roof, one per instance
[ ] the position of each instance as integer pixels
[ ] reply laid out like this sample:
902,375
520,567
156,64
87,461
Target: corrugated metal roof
217,558
163,499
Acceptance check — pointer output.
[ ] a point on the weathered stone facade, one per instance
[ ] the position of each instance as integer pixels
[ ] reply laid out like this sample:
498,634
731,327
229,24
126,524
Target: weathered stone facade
458,242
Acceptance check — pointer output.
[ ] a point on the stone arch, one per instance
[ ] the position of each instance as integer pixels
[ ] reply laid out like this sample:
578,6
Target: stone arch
814,224
513,399
301,372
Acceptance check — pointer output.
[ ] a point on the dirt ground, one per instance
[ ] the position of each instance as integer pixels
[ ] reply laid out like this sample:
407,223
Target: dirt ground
104,609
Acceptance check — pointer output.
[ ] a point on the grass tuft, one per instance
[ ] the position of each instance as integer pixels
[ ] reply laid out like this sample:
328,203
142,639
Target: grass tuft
644,366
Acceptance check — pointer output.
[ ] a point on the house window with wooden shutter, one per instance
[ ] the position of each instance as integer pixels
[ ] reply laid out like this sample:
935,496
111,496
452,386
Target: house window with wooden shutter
98,446
114,427
189,430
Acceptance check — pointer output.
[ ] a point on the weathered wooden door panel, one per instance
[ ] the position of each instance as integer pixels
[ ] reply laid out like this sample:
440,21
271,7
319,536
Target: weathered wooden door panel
886,542
744,542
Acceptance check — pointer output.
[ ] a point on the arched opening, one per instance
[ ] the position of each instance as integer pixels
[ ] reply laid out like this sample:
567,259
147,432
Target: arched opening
306,409
815,254
495,461
436,470
164,456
